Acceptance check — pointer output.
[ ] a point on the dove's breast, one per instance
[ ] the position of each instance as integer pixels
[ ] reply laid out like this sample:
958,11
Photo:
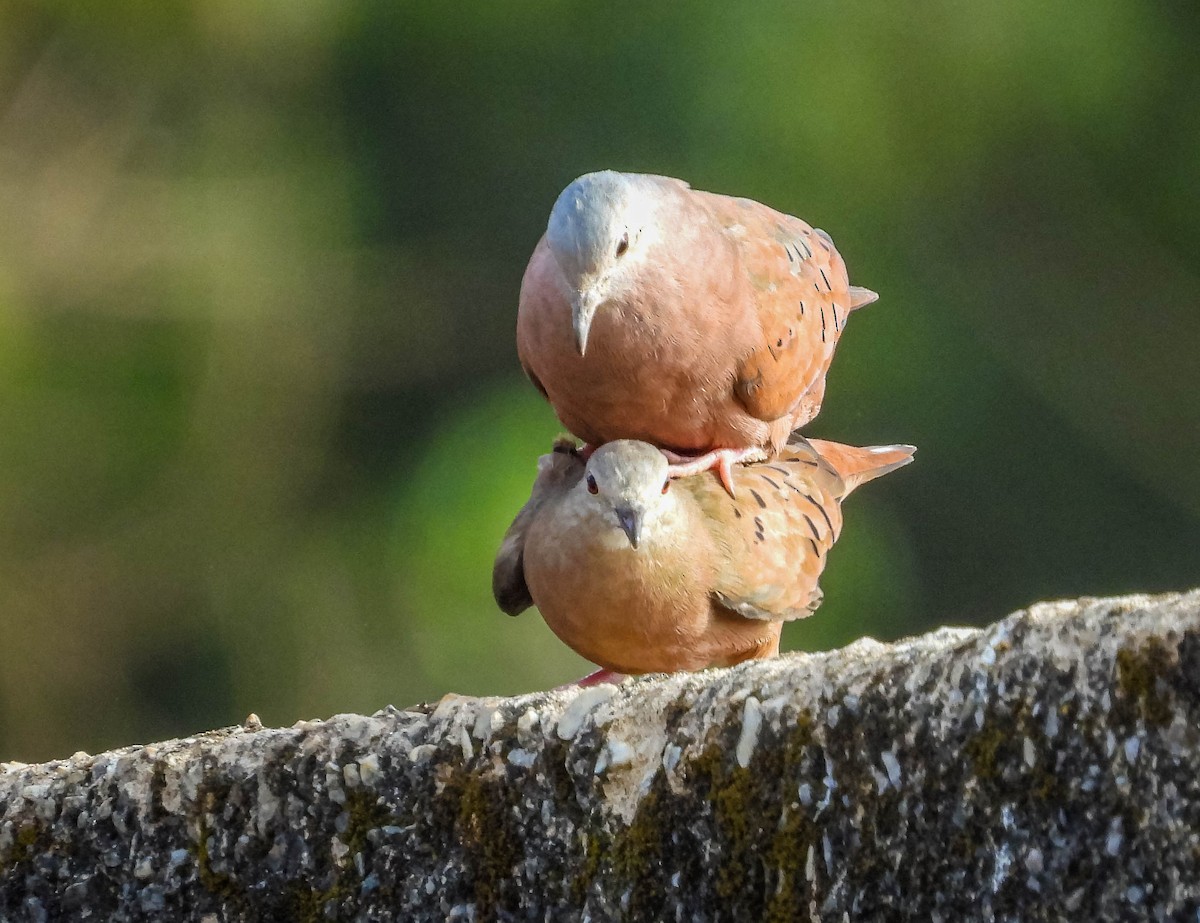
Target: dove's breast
643,610
660,365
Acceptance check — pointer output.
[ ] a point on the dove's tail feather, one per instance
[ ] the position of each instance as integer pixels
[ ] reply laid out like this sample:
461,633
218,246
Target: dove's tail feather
856,466
861,297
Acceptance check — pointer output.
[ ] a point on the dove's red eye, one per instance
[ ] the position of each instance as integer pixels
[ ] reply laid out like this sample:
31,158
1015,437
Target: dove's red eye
593,488
666,485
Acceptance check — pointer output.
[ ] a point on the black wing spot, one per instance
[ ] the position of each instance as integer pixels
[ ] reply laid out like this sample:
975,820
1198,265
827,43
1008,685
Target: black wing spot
836,327
816,550
828,521
822,323
825,278
802,309
737,513
812,525
803,493
758,498
769,481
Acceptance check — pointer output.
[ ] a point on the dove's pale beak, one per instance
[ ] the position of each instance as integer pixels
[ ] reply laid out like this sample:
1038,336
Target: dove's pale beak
583,309
631,522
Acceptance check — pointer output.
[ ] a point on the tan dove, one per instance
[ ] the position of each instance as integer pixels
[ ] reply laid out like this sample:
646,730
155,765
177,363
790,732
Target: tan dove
641,574
701,323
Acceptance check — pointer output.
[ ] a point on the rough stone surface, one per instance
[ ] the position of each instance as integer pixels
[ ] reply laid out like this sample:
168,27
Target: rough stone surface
1047,767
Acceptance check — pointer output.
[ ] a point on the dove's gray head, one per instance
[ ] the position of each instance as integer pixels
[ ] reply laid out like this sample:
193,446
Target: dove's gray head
627,482
597,232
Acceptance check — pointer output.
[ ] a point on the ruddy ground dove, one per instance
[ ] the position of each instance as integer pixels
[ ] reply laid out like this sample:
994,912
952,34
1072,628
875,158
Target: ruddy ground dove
701,323
640,574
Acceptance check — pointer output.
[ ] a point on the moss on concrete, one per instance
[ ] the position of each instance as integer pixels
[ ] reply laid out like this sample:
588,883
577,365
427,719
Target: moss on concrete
1144,672
1008,773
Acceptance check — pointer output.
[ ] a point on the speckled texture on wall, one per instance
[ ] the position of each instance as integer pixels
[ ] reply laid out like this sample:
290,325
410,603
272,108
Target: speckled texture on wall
1047,767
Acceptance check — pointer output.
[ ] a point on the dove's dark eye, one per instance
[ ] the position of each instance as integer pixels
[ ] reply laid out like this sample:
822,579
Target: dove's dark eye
666,485
592,486
623,244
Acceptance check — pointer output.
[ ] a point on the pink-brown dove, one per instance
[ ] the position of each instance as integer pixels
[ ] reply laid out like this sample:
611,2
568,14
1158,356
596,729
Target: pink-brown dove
701,323
641,574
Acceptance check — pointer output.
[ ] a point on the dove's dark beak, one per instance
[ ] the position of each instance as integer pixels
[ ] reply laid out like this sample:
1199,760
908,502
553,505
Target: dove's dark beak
631,522
583,309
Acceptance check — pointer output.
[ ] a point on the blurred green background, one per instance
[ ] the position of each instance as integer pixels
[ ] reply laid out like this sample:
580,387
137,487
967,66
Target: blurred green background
261,419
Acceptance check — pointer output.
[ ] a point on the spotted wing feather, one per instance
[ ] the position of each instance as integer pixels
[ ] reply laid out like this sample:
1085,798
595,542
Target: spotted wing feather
775,536
786,517
802,297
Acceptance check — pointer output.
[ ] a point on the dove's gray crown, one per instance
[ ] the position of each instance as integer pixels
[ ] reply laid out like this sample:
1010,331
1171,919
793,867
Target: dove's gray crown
628,470
589,219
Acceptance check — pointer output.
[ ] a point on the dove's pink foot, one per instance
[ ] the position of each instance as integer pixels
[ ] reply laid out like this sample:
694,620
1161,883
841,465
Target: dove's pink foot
595,679
719,460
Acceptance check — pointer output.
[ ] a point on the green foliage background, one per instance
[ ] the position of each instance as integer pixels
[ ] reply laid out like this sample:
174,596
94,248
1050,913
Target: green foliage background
261,420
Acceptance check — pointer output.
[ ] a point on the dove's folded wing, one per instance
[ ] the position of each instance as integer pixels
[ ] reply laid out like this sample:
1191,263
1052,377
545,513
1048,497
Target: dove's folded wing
774,537
801,298
558,472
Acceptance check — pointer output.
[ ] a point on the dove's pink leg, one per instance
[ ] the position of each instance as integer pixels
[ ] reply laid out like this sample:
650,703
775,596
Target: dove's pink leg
595,679
719,460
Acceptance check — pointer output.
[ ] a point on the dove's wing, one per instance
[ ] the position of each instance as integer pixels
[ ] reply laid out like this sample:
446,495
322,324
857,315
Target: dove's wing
557,473
802,297
775,536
